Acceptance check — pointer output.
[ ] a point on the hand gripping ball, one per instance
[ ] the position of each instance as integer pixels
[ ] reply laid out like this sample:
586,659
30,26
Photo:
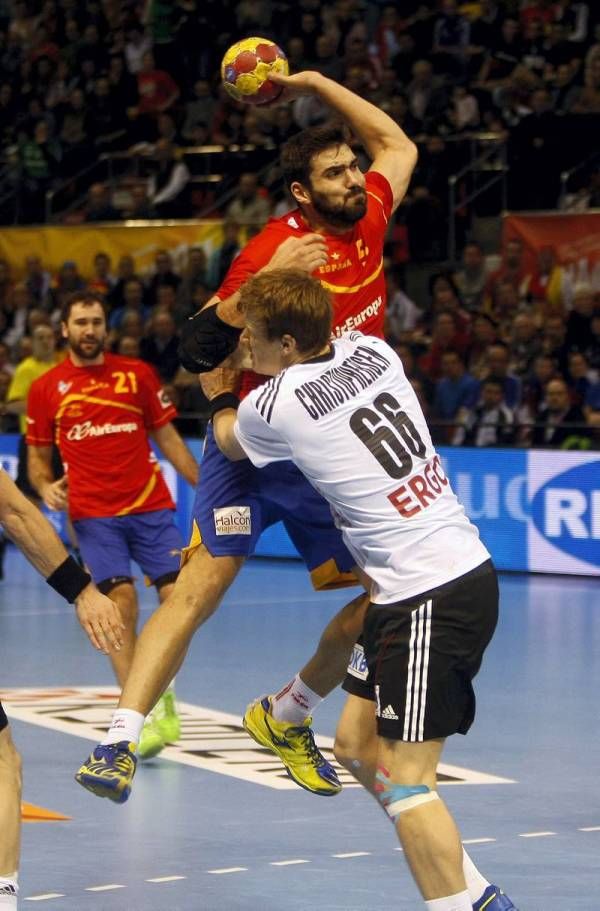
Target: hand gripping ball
245,70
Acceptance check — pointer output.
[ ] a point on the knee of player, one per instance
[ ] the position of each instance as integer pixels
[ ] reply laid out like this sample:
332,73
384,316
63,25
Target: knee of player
350,749
398,793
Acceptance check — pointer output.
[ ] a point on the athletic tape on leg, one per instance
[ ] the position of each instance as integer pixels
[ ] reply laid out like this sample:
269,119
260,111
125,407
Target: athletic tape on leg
398,798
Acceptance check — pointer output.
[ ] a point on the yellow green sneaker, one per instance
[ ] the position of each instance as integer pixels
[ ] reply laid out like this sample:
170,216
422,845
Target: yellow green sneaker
295,746
109,770
151,739
166,717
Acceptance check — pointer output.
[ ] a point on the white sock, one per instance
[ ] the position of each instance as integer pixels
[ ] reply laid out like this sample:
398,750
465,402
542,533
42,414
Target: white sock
459,902
476,883
294,702
126,725
9,889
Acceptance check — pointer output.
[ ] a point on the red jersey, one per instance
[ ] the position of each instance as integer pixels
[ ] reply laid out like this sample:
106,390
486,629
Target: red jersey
354,274
99,417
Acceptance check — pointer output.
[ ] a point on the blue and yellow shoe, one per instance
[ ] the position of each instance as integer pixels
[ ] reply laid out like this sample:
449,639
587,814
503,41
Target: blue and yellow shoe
166,717
109,771
295,746
494,899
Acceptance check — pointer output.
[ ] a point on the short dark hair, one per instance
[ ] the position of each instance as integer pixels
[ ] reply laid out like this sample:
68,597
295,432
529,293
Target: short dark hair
298,152
81,297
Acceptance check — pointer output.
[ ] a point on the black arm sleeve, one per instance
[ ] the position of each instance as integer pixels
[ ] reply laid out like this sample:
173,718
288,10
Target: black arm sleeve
206,341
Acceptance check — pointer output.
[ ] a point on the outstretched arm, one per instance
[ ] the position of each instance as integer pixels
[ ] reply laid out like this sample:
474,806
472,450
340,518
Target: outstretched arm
34,535
392,153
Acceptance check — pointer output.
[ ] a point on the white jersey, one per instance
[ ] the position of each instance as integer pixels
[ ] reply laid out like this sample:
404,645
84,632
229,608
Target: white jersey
351,422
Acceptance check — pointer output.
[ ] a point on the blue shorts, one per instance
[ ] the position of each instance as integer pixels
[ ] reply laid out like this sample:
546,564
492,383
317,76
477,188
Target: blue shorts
235,502
151,539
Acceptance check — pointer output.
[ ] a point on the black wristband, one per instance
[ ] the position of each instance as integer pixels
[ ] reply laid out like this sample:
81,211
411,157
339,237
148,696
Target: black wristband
224,400
69,579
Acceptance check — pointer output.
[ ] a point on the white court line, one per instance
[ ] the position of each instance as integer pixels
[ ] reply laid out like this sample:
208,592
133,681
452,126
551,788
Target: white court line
45,897
104,888
230,870
287,863
590,829
165,879
535,834
353,854
477,841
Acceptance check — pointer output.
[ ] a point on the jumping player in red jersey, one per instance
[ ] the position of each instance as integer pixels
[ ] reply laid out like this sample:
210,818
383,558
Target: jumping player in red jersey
100,409
337,234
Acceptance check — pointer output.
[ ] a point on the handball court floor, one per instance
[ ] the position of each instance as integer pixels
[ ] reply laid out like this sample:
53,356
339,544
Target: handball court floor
212,825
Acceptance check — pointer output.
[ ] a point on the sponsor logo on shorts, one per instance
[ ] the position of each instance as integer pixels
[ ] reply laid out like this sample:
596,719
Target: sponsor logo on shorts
389,713
87,429
357,666
233,520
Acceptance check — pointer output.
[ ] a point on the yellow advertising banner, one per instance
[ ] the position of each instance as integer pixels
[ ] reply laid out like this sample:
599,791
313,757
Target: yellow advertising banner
80,243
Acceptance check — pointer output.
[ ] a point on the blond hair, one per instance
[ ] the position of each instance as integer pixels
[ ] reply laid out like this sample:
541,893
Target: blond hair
289,302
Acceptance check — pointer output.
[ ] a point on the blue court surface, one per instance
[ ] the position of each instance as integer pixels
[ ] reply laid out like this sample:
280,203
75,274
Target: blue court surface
213,825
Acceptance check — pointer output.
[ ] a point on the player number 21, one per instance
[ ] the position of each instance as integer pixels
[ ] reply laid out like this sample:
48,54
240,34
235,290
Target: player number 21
125,382
395,448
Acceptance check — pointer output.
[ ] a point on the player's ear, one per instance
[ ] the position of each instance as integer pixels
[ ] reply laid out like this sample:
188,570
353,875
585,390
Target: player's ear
300,194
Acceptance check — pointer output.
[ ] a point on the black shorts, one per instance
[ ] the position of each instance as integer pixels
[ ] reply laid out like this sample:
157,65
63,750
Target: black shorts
22,479
416,658
3,718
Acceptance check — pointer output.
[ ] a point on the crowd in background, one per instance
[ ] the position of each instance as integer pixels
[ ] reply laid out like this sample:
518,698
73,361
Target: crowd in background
498,354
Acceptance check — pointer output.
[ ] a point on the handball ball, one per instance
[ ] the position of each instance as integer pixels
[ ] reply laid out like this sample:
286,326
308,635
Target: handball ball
245,70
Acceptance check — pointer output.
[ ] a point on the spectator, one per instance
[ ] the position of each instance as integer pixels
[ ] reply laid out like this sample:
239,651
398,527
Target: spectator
451,34
195,273
554,333
140,206
125,272
157,91
579,320
102,282
512,270
592,348
559,424
415,376
547,285
581,377
455,393
402,314
471,279
40,157
68,279
249,206
327,62
503,56
122,84
163,275
544,369
498,369
222,257
535,162
133,301
128,346
6,283
160,346
484,333
490,423
19,304
199,110
525,344
37,280
446,336
99,206
75,133
137,46
168,190
427,95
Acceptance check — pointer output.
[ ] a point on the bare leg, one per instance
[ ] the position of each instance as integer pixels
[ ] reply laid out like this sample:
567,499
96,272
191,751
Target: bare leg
125,597
327,668
356,743
166,636
428,833
10,804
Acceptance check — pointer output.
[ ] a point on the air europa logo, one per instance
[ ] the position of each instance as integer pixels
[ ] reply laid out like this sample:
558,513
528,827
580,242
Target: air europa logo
566,511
